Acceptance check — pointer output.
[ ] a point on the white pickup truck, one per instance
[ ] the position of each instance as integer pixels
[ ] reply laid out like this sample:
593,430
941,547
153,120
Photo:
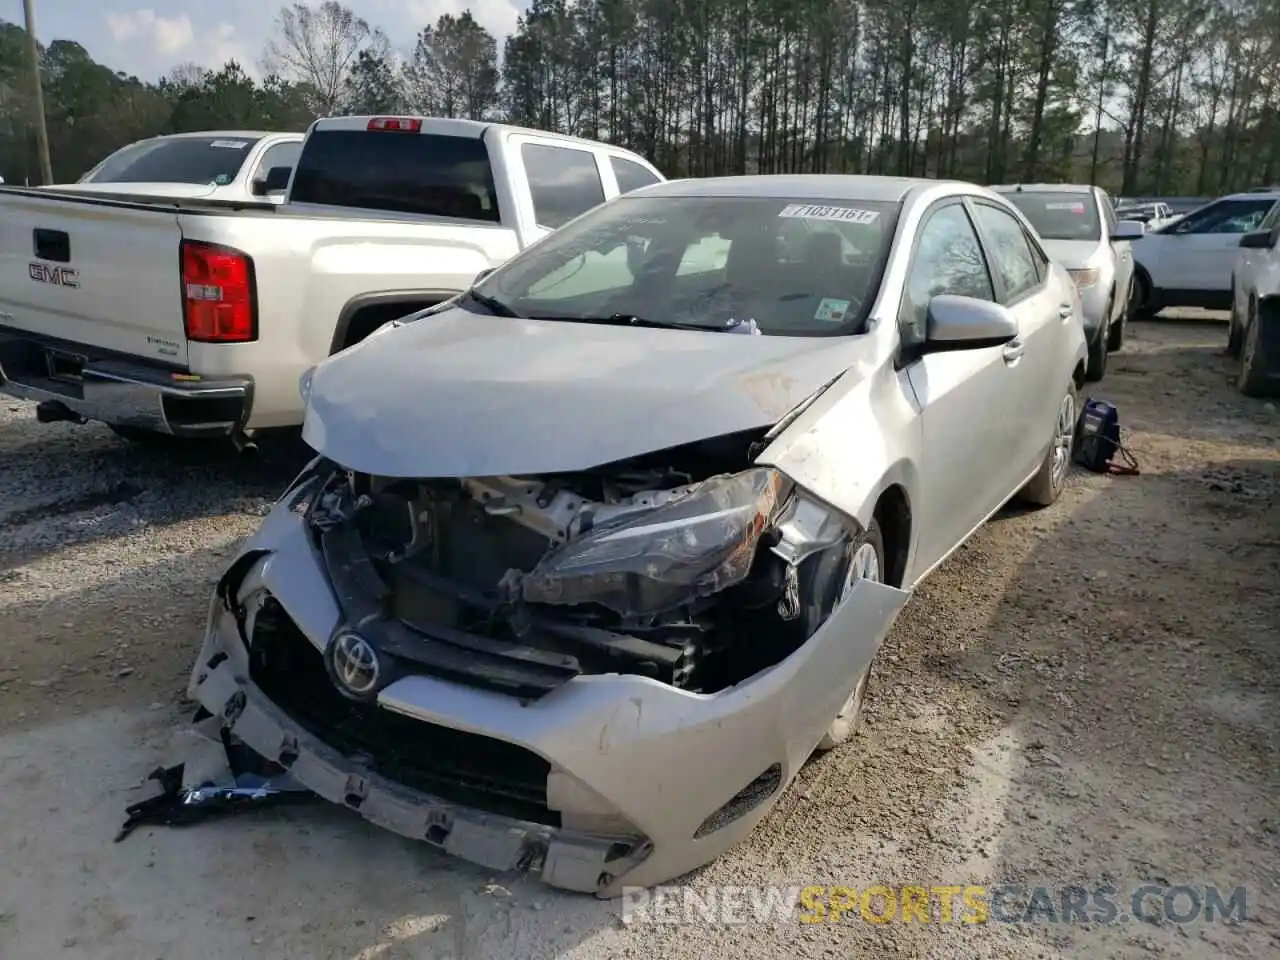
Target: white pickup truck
196,318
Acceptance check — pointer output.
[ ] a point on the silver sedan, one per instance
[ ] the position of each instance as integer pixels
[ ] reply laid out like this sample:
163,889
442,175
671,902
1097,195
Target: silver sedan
598,552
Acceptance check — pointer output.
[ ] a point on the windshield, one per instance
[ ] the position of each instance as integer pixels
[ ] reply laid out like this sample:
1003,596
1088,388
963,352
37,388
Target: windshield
1057,215
795,269
212,160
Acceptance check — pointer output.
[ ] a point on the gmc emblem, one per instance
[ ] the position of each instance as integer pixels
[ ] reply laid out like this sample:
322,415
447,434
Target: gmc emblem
58,276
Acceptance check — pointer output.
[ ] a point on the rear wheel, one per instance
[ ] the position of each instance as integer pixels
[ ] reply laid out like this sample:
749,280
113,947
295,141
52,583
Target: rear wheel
1047,485
866,562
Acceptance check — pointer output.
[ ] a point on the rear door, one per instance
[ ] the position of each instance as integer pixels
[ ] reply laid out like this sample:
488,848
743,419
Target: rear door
93,271
563,181
1021,271
968,398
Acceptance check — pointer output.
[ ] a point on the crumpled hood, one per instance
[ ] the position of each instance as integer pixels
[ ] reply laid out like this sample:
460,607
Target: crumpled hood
458,394
1072,254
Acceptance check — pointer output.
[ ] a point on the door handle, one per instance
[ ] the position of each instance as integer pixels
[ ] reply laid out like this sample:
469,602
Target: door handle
1064,311
1013,351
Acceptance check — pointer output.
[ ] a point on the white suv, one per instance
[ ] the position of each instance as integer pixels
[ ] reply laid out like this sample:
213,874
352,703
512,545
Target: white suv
1188,263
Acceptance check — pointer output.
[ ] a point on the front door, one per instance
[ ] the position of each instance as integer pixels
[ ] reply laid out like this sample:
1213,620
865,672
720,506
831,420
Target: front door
1200,251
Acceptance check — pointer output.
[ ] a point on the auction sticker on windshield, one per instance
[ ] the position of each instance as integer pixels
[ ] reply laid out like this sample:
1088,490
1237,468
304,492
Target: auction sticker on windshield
1076,207
809,211
229,144
831,310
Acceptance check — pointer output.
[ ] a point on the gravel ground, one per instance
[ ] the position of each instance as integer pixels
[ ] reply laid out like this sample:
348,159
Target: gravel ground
1083,695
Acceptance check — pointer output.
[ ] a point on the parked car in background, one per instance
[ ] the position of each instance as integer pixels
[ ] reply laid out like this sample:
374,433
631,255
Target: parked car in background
1189,263
1254,336
196,317
215,165
1153,215
1080,229
597,554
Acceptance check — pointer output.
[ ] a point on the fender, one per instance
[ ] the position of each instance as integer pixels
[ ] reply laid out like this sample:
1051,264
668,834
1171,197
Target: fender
382,298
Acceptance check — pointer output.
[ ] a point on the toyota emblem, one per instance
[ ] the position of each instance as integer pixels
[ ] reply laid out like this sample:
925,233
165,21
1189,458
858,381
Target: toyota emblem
355,664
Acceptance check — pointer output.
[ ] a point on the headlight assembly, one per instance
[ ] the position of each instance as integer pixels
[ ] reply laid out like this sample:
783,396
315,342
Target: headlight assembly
692,547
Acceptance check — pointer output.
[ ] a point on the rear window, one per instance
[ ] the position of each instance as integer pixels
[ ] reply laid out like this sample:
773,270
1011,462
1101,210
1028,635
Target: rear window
403,172
1059,215
214,160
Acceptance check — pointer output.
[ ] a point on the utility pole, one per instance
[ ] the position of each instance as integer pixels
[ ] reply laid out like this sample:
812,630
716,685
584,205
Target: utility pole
33,55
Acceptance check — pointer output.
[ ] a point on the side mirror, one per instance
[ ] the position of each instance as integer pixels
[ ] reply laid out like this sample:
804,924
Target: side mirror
482,274
966,323
1258,240
277,179
1129,230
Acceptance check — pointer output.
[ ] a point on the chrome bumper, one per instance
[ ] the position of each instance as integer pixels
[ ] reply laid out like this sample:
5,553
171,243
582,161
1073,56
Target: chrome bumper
77,385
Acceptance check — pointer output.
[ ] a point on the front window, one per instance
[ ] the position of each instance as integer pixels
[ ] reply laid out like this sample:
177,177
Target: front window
1059,215
1225,216
807,268
196,160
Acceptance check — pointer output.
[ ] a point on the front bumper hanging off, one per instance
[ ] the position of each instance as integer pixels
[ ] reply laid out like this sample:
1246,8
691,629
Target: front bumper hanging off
606,781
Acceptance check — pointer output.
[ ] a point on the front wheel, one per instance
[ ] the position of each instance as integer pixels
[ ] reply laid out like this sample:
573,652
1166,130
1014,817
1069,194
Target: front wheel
1252,378
866,562
1096,367
1047,485
1115,335
1140,304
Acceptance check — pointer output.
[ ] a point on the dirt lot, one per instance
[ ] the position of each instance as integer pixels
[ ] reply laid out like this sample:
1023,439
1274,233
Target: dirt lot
1087,695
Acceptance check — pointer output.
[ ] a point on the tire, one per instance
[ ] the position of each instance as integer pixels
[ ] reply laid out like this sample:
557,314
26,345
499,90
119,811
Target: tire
1096,367
1115,335
1252,379
846,722
1140,303
1234,334
1048,483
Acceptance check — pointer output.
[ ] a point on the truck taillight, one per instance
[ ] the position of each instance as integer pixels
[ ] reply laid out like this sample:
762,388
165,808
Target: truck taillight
217,294
400,124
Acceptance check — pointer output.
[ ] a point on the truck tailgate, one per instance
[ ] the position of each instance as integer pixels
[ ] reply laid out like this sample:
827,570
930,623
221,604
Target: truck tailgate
94,272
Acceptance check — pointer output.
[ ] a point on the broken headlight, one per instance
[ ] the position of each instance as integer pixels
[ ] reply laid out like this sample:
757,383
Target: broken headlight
692,547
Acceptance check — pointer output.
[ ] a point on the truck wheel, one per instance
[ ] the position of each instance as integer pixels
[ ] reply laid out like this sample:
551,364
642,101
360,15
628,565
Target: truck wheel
866,561
1252,379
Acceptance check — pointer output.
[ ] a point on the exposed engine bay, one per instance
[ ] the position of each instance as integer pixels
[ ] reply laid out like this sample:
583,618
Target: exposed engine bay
690,566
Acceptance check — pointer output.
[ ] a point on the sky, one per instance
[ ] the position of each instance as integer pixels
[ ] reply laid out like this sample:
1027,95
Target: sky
149,39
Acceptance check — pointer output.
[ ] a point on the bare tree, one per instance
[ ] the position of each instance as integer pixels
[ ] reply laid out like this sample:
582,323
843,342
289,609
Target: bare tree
317,47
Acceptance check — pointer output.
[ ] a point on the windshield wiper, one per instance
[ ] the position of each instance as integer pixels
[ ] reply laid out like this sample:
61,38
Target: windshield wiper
631,320
494,306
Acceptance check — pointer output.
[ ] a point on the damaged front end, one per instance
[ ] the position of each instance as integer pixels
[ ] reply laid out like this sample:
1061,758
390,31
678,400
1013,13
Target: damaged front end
669,567
605,677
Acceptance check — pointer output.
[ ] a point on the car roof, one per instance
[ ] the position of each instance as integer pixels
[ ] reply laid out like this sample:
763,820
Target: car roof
1262,193
241,134
811,186
1044,188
